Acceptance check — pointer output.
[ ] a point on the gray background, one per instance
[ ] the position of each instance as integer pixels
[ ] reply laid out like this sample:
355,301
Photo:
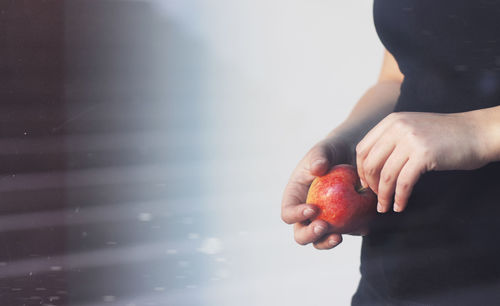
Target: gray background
146,145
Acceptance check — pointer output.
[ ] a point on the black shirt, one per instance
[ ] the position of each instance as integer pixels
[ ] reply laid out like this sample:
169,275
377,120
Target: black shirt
444,249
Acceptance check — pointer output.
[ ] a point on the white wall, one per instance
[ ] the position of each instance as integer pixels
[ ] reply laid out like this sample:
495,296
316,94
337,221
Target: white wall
276,77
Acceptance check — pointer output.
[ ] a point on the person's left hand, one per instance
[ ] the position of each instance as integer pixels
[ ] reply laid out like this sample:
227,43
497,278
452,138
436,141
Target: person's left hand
400,148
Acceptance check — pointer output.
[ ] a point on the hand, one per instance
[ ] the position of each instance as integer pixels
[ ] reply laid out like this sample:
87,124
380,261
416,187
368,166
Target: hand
294,211
397,151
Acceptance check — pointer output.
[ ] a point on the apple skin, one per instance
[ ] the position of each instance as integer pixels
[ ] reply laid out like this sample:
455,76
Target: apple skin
342,202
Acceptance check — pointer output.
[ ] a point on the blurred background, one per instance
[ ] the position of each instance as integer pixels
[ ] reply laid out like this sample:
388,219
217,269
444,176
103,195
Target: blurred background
145,146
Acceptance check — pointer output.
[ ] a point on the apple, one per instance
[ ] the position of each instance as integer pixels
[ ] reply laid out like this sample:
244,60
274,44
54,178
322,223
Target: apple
343,203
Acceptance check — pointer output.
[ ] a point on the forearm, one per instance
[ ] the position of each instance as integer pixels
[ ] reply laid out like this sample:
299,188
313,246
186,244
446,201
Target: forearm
374,105
486,123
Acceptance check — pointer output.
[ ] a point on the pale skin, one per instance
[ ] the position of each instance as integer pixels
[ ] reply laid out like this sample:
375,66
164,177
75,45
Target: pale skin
391,152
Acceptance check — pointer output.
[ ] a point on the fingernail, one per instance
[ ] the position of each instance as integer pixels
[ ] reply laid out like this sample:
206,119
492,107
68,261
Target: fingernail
397,208
308,212
318,162
380,209
333,242
318,229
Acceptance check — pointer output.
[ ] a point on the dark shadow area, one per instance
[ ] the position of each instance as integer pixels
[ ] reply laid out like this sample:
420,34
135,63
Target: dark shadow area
93,96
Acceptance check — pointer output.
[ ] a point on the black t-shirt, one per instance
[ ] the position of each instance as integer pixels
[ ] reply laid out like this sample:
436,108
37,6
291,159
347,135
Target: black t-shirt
444,249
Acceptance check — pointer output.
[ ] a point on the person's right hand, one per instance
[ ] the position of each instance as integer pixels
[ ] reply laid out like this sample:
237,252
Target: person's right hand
329,152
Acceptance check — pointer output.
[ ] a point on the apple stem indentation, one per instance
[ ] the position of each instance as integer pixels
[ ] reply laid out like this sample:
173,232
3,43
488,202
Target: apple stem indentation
361,189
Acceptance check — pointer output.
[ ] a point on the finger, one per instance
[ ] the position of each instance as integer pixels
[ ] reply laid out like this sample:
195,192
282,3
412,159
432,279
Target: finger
319,158
407,179
376,159
305,234
295,194
324,155
365,145
361,172
296,190
318,166
328,242
298,213
388,177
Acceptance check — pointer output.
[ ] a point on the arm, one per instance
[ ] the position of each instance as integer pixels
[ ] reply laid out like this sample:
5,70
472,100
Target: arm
399,149
377,102
337,147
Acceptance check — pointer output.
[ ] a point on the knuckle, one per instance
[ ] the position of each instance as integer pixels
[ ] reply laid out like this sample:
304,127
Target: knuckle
417,139
360,150
400,124
385,177
397,123
370,171
369,168
403,186
414,137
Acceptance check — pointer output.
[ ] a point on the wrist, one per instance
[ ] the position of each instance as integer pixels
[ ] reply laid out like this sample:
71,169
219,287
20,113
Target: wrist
486,124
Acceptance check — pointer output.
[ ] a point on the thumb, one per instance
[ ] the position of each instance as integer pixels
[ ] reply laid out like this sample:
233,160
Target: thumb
324,155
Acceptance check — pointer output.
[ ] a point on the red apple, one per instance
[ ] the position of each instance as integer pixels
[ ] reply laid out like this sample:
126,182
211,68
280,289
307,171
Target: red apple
342,201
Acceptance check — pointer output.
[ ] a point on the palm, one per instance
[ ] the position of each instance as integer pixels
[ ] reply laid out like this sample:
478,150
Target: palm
317,162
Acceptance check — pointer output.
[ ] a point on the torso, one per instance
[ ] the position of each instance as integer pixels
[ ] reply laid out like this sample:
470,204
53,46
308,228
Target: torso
443,250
